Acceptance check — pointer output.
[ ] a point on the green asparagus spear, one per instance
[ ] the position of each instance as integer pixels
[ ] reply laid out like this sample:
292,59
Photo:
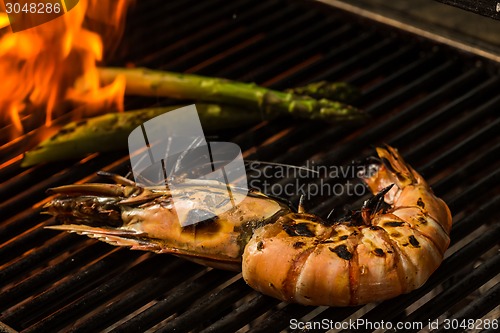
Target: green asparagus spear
146,82
110,131
335,91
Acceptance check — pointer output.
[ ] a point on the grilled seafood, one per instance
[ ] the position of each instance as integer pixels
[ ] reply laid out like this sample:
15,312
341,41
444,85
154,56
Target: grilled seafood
376,253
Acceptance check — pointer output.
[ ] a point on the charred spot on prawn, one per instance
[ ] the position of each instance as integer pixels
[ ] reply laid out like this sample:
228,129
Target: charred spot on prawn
343,237
349,217
421,220
413,241
260,245
388,165
314,219
420,203
342,252
298,245
393,224
298,229
379,252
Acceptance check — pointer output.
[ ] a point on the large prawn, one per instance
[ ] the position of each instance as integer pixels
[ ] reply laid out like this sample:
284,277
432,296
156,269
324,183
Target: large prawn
381,251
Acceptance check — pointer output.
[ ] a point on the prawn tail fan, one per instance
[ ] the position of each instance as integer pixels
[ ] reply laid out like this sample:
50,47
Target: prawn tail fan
391,169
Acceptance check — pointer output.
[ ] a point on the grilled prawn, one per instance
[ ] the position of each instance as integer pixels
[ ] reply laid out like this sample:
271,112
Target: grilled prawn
378,252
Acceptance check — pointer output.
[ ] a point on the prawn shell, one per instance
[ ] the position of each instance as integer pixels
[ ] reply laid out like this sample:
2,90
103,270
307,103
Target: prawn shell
274,256
377,262
155,220
417,254
340,265
422,197
325,276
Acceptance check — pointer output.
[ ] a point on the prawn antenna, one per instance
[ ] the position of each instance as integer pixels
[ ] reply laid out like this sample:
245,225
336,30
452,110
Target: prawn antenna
330,214
301,209
117,178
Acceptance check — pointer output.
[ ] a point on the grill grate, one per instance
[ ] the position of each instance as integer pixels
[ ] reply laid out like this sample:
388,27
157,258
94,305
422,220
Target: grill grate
439,107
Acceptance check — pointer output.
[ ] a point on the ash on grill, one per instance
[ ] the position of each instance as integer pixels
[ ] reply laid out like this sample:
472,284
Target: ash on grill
438,106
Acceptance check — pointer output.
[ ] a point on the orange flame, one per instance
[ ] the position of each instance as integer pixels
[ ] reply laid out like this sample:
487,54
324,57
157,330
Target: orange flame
47,67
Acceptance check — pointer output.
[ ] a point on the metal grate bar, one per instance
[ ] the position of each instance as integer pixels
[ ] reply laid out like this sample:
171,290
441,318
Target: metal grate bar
465,226
477,190
280,319
108,290
435,307
82,256
382,64
445,159
187,20
213,305
476,165
347,48
157,283
10,228
181,297
15,247
335,135
373,133
283,55
453,109
242,315
303,23
332,314
48,250
478,307
73,286
467,254
36,192
232,36
410,72
362,58
201,31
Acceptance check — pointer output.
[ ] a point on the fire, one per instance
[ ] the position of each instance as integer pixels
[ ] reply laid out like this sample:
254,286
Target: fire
52,66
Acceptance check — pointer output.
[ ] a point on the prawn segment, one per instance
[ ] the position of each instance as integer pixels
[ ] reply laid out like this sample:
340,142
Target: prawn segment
418,255
378,264
426,225
375,254
329,267
427,204
147,219
391,170
291,241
